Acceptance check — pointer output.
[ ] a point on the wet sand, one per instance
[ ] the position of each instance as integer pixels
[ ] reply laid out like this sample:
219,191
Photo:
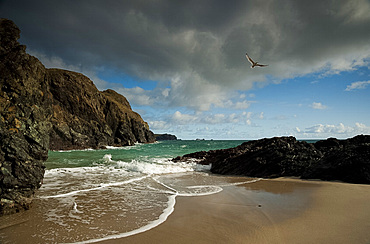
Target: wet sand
269,211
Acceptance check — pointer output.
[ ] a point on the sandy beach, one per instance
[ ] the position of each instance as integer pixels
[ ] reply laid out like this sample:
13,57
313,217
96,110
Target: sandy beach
282,210
269,211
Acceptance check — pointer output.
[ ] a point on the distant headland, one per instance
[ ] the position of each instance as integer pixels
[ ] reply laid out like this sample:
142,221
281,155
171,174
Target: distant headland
165,137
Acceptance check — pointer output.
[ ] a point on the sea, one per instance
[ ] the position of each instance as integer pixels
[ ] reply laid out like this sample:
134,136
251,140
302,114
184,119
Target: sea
90,195
94,195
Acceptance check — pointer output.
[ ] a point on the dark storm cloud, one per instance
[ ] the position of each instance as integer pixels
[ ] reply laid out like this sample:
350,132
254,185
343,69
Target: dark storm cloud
144,33
198,46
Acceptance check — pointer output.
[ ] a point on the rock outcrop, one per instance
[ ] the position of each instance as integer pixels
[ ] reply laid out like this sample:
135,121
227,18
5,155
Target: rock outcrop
332,159
42,109
84,117
165,137
25,110
345,160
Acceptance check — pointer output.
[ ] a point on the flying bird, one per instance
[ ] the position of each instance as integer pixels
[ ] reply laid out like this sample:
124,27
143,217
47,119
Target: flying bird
254,64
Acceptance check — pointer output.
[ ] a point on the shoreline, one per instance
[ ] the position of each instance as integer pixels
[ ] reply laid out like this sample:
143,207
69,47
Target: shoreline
282,210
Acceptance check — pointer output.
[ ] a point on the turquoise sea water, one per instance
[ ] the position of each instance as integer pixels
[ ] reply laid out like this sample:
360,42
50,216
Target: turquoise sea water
138,152
93,195
89,196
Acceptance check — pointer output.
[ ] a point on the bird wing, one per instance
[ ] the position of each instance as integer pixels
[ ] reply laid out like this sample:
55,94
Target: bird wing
249,59
262,65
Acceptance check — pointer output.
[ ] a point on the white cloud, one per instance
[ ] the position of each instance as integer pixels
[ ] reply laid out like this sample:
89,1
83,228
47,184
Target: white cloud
242,105
362,128
166,92
248,114
159,125
181,118
137,95
340,130
358,85
316,105
281,117
158,97
57,62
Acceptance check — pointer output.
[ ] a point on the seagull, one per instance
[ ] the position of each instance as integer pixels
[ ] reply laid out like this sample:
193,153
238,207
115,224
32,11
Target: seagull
254,64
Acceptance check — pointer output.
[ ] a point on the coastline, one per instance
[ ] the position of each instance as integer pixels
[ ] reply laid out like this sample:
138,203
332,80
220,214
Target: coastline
282,210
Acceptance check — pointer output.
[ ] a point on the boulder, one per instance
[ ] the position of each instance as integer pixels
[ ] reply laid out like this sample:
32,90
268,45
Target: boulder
331,159
345,160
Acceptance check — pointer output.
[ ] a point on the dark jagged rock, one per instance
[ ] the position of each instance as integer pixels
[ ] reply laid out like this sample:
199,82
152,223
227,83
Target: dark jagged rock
332,159
165,137
25,108
345,160
279,156
42,109
85,117
127,126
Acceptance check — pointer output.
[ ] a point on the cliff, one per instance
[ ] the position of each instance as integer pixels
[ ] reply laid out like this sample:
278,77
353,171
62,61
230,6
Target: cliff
165,137
331,159
84,117
25,110
42,109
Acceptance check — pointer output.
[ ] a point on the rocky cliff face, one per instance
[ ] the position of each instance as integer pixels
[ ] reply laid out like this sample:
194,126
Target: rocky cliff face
42,109
332,159
25,109
84,117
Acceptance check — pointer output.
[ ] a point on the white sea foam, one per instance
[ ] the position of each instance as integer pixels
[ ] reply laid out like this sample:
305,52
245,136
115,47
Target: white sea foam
159,166
202,168
124,147
137,185
80,171
144,165
166,186
96,188
203,190
200,191
75,150
107,158
242,182
75,208
113,147
162,218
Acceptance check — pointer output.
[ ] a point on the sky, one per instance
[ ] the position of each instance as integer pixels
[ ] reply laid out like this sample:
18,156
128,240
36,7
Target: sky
182,64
